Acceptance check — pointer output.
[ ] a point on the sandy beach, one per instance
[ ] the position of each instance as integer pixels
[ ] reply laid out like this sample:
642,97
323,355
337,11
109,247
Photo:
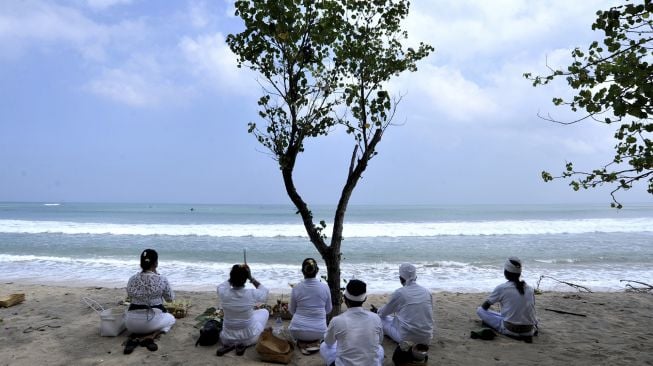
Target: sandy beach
54,327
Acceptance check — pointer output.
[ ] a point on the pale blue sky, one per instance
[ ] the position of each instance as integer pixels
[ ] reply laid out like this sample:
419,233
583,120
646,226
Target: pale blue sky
140,101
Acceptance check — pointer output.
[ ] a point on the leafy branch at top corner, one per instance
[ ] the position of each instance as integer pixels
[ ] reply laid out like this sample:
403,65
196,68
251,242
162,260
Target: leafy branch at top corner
613,80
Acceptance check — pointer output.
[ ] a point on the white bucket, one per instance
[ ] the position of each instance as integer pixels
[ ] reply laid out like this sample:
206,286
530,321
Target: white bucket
112,321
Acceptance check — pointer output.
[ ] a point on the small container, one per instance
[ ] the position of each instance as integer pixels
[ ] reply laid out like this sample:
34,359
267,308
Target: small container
278,327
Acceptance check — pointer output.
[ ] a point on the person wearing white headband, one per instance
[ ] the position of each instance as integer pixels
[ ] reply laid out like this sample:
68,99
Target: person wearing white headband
518,317
408,316
355,336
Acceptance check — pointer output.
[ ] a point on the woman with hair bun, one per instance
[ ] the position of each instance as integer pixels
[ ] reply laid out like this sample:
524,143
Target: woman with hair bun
310,302
242,324
517,299
147,290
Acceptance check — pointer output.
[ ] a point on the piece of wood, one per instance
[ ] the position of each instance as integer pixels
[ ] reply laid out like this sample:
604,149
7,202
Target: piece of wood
630,288
577,287
12,300
565,312
639,282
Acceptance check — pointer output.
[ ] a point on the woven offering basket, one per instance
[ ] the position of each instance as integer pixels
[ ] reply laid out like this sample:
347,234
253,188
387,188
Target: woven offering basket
179,313
273,349
178,308
281,310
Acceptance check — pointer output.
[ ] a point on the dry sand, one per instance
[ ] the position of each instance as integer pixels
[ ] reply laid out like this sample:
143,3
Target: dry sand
53,327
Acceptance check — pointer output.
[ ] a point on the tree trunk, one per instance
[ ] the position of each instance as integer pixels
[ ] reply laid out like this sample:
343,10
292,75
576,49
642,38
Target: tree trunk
331,253
332,260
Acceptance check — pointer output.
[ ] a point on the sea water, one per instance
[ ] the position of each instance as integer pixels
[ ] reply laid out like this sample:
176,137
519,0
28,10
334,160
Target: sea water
455,248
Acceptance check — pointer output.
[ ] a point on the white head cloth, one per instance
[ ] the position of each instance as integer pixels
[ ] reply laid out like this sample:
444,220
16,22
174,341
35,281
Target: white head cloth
408,272
511,267
360,298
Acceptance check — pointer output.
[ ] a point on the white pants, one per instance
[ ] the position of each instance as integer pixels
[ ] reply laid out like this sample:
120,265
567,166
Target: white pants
148,321
230,336
306,335
390,329
308,326
329,353
495,321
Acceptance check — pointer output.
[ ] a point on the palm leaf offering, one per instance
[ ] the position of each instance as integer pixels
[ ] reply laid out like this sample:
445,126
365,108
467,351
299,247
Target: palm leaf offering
281,309
208,314
264,306
178,308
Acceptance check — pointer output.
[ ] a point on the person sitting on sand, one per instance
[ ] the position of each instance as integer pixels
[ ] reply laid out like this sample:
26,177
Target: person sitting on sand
242,325
355,336
310,302
147,290
412,306
517,299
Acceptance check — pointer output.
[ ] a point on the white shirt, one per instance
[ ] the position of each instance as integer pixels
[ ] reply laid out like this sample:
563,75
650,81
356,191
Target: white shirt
515,307
310,302
413,309
238,305
359,333
149,288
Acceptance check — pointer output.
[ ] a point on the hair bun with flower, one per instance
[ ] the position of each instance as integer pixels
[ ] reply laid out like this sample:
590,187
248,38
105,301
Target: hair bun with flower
149,259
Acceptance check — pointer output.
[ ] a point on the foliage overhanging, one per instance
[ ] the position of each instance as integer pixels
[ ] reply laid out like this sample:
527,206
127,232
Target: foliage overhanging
614,83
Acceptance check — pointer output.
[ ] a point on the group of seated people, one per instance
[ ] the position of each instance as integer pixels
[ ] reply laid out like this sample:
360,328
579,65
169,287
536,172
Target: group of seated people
352,338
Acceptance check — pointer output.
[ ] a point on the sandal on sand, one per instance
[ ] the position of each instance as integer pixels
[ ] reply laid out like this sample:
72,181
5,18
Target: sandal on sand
240,349
527,339
223,350
310,347
149,344
130,346
485,334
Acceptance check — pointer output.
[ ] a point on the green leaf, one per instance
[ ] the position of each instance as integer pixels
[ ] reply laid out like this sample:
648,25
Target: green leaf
611,81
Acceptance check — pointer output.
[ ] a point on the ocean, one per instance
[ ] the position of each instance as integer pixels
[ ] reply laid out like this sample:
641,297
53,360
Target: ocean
455,248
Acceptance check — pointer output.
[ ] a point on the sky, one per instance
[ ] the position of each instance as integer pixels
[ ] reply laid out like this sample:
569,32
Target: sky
141,101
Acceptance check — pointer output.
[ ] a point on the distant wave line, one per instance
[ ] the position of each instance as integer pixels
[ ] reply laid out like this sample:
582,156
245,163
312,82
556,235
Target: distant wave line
351,230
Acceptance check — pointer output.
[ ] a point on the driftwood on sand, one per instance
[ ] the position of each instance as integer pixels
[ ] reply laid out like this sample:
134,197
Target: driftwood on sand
565,312
580,288
646,288
64,331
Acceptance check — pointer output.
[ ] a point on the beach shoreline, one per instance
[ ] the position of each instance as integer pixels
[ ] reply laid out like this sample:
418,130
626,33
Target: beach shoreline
54,327
459,248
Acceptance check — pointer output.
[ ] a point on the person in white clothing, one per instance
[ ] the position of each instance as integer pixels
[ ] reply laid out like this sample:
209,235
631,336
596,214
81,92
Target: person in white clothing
408,316
310,302
242,325
517,299
354,337
146,291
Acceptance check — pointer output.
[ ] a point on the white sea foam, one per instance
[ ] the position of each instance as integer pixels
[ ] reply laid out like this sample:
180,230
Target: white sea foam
380,277
351,230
